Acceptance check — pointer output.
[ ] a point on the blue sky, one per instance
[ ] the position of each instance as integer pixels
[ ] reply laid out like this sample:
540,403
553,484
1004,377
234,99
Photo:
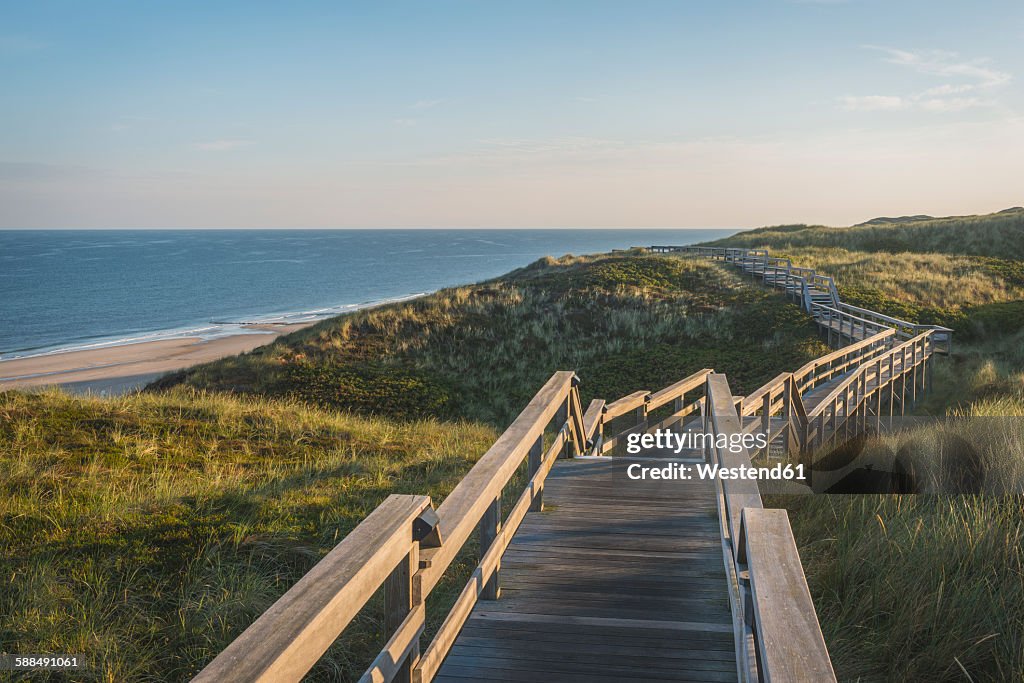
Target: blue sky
464,114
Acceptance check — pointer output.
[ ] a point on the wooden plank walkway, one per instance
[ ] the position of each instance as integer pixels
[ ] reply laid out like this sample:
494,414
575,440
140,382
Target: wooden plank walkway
613,581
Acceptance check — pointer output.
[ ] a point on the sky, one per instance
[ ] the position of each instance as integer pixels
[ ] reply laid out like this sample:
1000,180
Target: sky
713,113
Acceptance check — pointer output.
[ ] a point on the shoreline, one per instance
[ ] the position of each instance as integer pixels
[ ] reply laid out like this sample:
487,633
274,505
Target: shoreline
116,370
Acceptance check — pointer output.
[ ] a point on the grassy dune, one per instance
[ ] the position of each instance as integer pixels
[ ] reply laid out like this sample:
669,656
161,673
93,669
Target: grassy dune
999,235
622,322
916,588
146,532
928,587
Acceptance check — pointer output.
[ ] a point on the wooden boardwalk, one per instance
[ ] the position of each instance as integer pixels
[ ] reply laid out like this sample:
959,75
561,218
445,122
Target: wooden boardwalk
590,577
613,581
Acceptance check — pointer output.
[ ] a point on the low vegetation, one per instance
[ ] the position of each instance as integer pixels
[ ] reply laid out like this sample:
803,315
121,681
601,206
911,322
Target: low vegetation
942,597
915,587
999,235
147,532
622,322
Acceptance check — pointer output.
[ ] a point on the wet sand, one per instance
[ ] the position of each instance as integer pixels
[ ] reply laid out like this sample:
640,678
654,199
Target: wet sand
120,369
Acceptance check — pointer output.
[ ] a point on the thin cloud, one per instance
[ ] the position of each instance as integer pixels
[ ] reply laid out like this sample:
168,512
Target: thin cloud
947,65
966,80
221,145
873,102
427,104
952,103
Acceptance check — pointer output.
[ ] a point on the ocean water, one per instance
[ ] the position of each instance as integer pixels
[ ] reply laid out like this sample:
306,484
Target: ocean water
77,289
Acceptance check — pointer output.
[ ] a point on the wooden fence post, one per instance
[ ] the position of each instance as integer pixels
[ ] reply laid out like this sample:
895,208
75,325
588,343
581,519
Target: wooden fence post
903,382
561,417
641,415
536,457
399,600
892,387
490,525
790,441
913,351
766,421
878,395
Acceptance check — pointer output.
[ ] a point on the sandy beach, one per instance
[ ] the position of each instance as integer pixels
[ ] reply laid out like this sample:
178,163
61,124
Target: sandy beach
120,369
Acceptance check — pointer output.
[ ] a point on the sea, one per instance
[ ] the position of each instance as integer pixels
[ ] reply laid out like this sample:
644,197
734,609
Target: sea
63,290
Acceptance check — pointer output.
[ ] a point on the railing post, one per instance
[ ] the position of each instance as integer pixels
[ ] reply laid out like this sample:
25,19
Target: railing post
641,413
929,362
561,418
400,597
892,387
787,414
766,421
535,459
878,395
490,525
903,381
913,361
862,408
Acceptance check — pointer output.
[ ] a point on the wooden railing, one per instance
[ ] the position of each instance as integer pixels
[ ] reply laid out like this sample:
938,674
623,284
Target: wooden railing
857,402
777,630
405,546
942,337
645,405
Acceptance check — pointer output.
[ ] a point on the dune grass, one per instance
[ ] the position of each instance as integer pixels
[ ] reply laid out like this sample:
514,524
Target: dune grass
146,532
916,587
999,235
622,322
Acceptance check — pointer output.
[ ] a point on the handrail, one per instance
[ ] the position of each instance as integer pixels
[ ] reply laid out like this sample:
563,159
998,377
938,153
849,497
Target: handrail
771,604
807,375
287,640
644,402
788,638
677,390
753,401
855,375
463,508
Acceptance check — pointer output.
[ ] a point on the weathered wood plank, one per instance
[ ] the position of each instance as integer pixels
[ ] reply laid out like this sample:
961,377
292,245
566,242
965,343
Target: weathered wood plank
606,574
289,638
674,391
465,505
625,404
790,645
739,493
